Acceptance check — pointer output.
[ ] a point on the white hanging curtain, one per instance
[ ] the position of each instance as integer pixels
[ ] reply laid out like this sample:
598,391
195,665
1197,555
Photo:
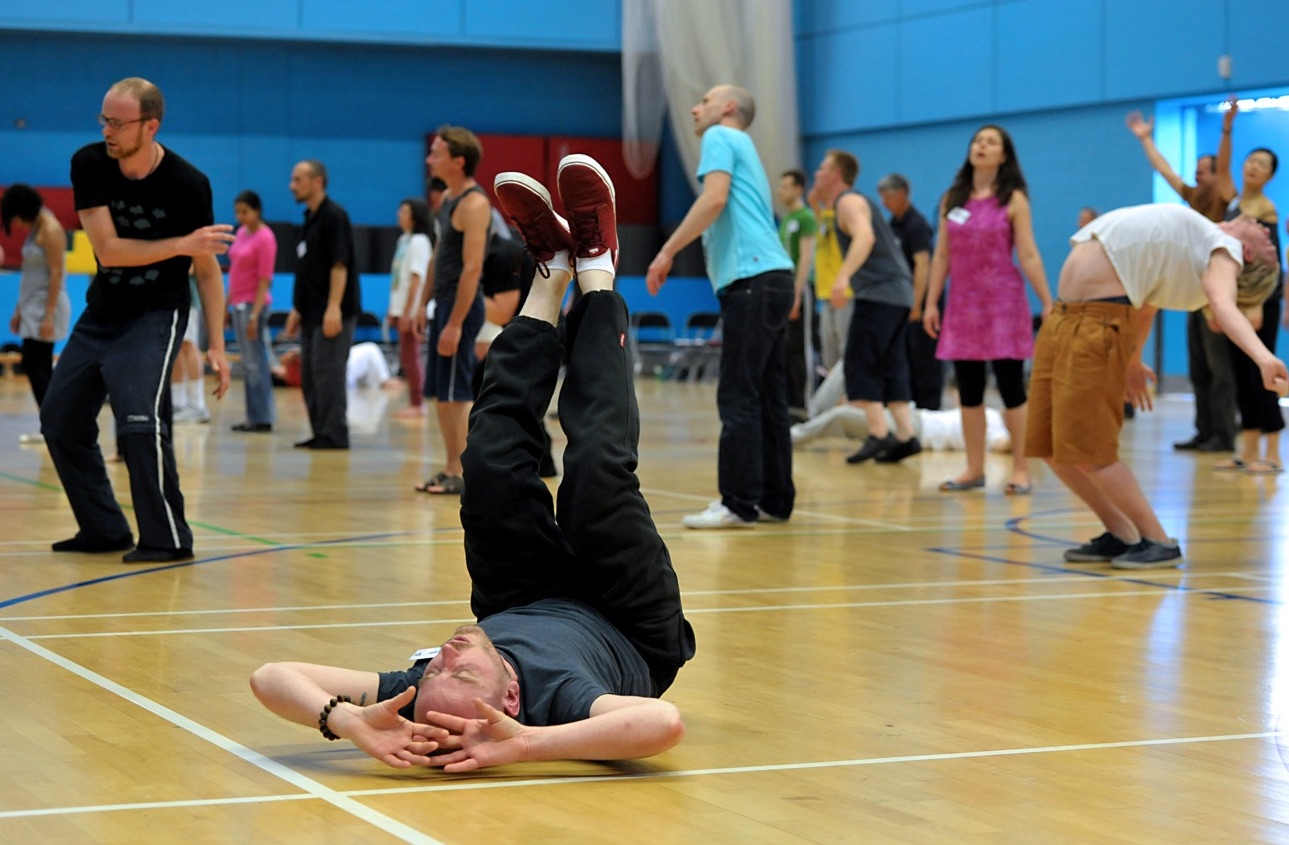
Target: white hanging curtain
673,51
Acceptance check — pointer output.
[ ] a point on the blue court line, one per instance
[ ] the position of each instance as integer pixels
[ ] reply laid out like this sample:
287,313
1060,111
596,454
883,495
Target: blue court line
1014,525
149,570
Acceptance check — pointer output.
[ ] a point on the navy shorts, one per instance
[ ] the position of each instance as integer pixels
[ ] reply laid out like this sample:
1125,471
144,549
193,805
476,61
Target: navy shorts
451,379
877,358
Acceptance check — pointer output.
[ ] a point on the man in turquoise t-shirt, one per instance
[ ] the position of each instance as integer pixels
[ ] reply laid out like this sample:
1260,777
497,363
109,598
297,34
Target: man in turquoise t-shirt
752,275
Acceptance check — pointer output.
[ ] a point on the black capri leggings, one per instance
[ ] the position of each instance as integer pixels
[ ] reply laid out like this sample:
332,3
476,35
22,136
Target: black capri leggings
1009,373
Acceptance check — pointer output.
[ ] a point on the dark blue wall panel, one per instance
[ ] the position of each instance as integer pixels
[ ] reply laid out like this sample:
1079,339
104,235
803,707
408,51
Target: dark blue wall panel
260,106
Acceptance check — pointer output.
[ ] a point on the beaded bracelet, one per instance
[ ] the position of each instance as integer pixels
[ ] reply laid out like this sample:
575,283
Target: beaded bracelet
326,711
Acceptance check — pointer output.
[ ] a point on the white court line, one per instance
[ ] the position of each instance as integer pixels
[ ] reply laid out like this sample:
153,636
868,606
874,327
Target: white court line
460,784
338,800
827,517
689,611
824,588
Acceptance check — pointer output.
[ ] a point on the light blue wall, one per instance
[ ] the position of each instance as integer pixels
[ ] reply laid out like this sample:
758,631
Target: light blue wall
905,83
564,25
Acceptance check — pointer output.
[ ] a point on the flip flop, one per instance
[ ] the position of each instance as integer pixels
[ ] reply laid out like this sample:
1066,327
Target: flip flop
952,486
450,485
1011,488
1264,467
433,481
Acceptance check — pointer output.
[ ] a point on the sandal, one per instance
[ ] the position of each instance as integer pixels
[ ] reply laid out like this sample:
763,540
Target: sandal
433,481
954,486
450,485
1011,488
1262,466
1234,462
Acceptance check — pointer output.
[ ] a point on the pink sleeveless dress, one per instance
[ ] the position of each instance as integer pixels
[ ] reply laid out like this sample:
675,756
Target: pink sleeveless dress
987,313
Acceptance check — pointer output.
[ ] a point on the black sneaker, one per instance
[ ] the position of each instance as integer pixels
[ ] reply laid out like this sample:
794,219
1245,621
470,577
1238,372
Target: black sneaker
144,554
1101,549
1149,554
900,451
872,447
94,545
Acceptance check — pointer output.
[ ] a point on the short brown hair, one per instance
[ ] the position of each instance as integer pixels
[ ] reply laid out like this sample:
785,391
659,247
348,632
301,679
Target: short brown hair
462,143
152,106
847,165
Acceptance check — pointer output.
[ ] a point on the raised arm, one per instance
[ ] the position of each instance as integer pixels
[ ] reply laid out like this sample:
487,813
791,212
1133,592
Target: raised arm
1144,130
619,728
1222,165
114,251
706,208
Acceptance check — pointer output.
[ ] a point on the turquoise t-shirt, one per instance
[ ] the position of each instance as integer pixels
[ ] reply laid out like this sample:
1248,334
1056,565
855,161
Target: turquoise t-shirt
743,242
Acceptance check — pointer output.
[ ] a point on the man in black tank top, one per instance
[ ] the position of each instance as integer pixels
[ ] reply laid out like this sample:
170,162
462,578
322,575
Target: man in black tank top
463,224
876,359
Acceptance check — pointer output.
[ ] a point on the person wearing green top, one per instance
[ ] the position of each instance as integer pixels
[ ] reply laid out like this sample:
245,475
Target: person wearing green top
797,230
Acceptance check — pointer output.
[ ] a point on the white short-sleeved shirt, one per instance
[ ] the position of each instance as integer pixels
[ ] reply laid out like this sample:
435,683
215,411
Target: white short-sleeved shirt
1160,252
411,255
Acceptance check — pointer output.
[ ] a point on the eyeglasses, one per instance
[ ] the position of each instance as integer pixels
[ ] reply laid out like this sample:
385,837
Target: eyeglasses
117,123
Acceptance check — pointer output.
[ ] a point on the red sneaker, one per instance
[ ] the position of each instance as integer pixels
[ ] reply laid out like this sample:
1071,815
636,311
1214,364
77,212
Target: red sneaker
528,204
588,198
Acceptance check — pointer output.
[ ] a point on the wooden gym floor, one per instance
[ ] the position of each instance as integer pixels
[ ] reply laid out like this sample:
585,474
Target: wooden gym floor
894,665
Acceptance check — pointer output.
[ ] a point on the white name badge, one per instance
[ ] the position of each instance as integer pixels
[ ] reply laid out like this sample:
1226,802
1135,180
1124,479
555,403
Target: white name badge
958,215
300,249
425,654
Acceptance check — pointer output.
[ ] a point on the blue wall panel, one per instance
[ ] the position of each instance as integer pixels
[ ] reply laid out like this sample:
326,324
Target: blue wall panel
1049,54
411,18
821,16
581,25
250,14
593,24
1161,47
82,13
849,79
1260,33
914,8
946,65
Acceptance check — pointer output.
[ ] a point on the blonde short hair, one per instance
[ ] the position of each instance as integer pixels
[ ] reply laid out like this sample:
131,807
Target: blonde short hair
152,106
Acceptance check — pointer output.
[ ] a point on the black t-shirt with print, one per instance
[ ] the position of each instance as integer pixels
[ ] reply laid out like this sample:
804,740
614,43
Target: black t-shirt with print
170,202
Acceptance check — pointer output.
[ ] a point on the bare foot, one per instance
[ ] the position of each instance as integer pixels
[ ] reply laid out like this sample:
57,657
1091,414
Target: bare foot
411,412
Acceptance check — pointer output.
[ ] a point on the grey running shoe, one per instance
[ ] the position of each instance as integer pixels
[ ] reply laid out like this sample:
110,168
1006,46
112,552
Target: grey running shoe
1149,554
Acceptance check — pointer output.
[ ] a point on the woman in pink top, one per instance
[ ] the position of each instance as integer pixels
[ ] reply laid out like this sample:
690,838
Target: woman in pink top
984,215
251,259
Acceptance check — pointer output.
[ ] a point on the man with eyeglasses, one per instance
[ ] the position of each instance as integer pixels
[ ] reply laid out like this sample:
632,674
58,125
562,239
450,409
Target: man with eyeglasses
149,217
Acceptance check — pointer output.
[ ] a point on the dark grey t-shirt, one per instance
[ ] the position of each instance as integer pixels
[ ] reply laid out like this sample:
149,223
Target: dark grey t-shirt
884,276
566,655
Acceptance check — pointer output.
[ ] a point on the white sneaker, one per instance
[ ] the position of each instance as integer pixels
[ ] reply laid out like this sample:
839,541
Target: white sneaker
31,439
192,415
716,516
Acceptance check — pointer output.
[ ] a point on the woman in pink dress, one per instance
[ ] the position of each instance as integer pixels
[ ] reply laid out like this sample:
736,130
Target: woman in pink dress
984,216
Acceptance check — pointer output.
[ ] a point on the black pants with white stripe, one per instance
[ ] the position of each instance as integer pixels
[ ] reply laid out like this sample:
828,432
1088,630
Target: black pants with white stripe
603,547
130,363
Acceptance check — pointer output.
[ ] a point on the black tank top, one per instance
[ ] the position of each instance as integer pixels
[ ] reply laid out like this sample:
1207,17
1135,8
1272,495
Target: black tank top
448,258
